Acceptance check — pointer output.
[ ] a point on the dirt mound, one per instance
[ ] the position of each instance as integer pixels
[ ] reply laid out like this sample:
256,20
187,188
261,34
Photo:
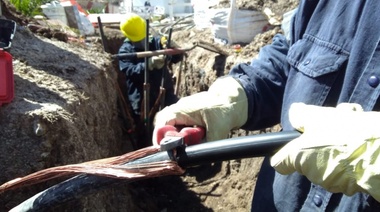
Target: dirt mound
67,110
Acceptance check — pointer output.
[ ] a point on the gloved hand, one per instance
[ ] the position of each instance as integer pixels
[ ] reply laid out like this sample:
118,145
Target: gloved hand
164,41
339,148
156,62
220,109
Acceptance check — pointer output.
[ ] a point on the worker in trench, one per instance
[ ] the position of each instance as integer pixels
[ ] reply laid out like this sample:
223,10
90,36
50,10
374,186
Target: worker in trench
134,29
323,80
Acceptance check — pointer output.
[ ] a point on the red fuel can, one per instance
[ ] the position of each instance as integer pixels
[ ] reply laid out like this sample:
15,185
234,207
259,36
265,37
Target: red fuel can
6,77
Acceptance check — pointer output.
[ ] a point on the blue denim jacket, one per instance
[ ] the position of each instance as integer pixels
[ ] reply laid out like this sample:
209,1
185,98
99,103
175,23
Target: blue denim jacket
333,56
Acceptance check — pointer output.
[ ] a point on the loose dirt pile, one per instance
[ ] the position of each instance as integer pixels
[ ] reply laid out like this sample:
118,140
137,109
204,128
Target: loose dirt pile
67,110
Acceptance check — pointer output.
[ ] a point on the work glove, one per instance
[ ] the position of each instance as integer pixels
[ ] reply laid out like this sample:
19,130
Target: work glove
164,42
220,109
156,62
338,150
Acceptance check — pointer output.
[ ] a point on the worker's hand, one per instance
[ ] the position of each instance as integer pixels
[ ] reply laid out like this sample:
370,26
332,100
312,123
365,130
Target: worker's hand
156,62
339,148
220,109
164,42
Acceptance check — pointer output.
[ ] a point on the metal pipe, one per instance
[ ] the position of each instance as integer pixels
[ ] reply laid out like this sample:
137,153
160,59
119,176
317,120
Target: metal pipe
164,70
152,53
146,108
102,36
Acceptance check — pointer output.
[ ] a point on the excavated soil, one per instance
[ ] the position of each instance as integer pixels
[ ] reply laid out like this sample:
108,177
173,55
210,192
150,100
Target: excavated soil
67,110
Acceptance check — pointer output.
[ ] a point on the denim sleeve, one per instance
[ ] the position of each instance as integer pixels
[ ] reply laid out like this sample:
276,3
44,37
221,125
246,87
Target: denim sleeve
133,66
264,82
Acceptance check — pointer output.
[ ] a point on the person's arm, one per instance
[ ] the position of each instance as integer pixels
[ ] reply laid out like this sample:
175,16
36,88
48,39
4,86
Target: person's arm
339,148
132,67
225,105
264,81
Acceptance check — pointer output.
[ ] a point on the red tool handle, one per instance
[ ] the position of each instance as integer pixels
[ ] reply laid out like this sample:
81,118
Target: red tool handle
190,135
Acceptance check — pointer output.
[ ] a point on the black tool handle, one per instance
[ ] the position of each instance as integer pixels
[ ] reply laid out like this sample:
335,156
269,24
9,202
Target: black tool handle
235,148
228,149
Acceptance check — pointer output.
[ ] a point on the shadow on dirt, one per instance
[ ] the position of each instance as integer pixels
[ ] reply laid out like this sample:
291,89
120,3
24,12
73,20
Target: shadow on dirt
166,193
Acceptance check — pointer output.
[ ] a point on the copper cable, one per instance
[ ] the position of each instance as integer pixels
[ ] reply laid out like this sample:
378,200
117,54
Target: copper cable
108,167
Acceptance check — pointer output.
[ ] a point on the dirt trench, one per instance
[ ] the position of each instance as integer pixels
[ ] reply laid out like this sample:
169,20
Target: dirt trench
66,110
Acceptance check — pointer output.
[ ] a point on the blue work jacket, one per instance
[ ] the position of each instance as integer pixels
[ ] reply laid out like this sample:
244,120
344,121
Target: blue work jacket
333,56
134,69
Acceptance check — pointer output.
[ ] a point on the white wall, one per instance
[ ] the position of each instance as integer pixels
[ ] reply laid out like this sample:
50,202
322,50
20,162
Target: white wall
165,4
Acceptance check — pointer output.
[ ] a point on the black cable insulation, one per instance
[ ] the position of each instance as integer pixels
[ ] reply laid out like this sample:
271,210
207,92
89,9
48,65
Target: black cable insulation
209,152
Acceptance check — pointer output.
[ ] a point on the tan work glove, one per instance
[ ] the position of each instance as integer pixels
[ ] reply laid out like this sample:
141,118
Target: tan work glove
339,148
220,109
156,62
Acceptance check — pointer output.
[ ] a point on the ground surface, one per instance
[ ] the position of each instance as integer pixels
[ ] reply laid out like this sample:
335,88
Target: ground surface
66,110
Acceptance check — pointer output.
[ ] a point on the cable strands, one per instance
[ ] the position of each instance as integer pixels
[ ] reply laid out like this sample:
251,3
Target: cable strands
109,167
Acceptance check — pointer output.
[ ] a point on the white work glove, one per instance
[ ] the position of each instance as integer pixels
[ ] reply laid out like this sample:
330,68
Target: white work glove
156,62
220,109
338,150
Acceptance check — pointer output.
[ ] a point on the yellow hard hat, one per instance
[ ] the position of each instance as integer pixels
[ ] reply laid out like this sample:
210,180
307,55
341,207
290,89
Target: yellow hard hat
133,27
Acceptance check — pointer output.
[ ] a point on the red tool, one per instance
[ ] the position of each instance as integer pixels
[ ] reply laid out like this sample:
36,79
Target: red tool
6,77
7,31
170,137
